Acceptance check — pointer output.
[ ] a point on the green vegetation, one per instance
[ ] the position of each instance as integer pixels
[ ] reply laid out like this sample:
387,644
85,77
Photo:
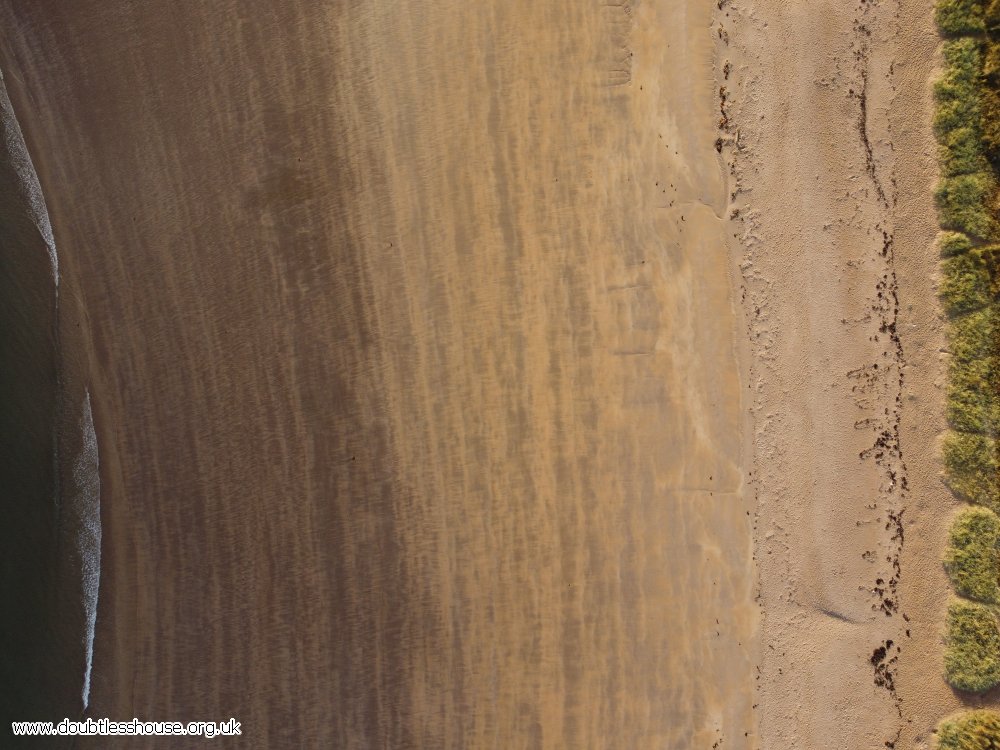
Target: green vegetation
971,468
953,243
967,194
960,151
991,63
991,15
971,407
966,283
990,125
973,730
958,91
972,558
958,119
972,653
973,338
974,382
989,100
967,126
956,17
966,204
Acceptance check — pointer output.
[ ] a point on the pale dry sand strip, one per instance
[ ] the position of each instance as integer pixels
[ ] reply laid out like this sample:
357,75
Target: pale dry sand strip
835,165
413,360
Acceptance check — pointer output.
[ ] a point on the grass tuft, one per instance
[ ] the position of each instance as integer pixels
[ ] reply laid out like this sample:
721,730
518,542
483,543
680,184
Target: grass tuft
972,730
955,17
959,91
972,338
966,203
991,15
972,653
972,557
960,151
989,106
972,404
970,463
953,243
991,63
965,285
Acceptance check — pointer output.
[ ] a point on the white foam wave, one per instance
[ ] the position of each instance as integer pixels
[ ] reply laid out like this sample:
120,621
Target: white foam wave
81,510
87,508
15,149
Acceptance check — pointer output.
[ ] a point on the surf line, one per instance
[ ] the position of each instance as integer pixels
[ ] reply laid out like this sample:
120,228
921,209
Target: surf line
77,508
87,508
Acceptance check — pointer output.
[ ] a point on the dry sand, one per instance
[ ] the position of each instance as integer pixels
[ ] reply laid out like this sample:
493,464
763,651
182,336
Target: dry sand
453,389
836,164
413,353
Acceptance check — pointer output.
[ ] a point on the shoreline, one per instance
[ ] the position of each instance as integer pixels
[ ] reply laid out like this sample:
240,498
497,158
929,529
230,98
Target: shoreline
28,416
91,561
483,345
43,469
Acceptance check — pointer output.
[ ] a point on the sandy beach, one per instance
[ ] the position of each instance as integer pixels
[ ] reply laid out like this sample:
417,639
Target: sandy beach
848,370
503,375
414,359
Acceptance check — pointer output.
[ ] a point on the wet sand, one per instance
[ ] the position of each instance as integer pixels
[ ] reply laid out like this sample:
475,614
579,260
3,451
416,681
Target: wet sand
414,348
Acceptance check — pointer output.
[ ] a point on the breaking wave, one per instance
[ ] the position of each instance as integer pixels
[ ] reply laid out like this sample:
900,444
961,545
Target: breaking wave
31,189
85,508
77,501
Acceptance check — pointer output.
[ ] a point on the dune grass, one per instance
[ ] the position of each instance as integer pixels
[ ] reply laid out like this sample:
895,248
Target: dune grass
966,195
966,284
971,405
974,371
955,17
958,118
990,124
991,14
966,204
960,151
951,244
972,651
972,557
967,127
991,63
958,91
971,468
989,98
973,337
972,730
